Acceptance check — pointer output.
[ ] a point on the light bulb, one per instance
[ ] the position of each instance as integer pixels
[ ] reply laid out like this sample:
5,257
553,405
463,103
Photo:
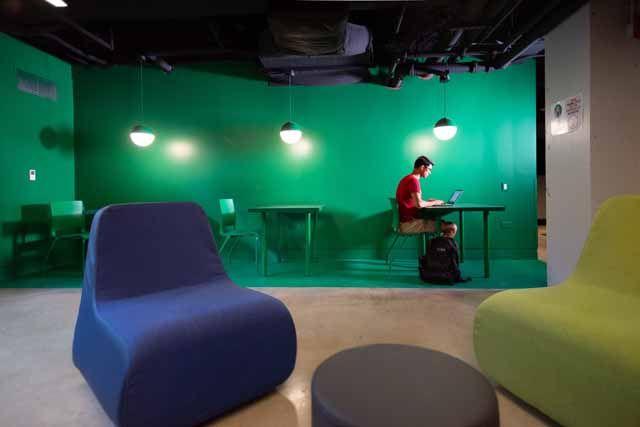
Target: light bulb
444,129
142,136
290,133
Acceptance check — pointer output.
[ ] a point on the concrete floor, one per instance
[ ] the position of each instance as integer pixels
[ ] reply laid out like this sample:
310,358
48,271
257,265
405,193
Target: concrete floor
40,386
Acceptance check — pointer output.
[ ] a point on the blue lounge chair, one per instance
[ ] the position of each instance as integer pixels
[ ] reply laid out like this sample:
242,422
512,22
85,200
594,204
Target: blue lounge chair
163,337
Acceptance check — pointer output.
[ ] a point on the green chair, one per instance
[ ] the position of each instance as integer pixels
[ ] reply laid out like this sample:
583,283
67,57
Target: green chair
395,228
230,232
572,350
66,221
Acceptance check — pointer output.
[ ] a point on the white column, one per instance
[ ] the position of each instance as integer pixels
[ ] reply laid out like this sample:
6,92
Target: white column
568,165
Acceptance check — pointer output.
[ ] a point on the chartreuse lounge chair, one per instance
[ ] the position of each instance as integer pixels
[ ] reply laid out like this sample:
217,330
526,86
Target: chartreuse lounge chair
573,350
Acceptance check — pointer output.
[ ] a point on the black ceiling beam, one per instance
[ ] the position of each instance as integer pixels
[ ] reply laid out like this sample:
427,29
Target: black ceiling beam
79,28
508,11
488,31
108,45
532,23
73,49
523,40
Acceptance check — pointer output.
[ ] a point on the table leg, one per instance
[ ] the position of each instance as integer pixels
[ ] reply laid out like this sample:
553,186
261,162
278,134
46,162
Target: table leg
279,225
264,244
314,255
307,245
423,241
485,222
461,235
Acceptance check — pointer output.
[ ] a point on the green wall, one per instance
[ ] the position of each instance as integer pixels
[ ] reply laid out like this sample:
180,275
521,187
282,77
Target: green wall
36,133
217,136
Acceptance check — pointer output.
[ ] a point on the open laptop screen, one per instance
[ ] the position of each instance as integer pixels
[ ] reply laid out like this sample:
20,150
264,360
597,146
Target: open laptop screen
455,196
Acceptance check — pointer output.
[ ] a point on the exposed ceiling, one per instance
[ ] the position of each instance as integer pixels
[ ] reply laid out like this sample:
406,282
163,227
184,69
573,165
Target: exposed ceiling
407,38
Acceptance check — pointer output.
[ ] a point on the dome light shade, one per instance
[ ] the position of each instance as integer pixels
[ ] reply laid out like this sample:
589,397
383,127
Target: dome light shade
142,136
444,129
290,133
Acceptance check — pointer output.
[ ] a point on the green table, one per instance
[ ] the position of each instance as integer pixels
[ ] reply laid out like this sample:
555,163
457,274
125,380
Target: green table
310,213
435,212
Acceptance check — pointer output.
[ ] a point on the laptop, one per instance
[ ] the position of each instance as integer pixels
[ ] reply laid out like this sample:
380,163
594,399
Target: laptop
454,197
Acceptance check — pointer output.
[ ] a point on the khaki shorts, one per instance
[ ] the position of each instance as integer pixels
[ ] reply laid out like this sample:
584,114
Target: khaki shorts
417,226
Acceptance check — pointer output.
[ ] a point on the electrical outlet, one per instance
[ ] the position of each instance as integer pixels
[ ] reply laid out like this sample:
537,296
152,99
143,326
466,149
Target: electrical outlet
504,186
32,174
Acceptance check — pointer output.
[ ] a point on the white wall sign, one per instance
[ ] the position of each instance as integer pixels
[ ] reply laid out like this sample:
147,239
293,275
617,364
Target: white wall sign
566,115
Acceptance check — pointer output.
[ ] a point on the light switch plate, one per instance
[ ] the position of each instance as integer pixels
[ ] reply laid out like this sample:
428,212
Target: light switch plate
32,174
504,186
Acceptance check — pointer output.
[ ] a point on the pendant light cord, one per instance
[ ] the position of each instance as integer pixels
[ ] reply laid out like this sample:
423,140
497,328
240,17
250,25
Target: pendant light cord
445,99
290,96
141,91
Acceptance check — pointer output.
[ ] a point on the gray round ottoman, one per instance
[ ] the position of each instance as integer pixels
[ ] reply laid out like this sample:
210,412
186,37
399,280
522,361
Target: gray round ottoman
400,386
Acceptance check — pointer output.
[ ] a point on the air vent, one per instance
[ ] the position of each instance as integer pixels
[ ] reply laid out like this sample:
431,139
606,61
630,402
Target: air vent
37,86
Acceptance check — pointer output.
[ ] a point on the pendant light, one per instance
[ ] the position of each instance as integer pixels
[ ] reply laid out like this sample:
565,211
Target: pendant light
445,129
290,132
141,135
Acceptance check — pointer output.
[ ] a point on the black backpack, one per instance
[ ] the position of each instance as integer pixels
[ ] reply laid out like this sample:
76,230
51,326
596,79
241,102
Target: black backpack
441,265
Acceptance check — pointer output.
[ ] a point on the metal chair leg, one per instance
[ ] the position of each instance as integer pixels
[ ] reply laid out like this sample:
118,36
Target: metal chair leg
404,240
231,248
224,244
395,239
256,253
46,257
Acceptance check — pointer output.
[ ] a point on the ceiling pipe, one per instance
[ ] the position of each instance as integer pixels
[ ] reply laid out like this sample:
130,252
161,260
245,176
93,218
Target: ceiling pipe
452,43
455,38
522,42
469,27
458,67
159,62
416,55
206,53
74,49
400,18
213,31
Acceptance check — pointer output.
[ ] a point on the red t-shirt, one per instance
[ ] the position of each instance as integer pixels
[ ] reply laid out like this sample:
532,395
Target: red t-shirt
406,206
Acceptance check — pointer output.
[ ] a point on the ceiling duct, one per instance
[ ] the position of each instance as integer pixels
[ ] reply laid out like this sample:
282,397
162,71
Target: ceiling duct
321,46
308,33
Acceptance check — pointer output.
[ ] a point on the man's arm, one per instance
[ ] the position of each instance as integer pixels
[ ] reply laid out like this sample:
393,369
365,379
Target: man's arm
417,199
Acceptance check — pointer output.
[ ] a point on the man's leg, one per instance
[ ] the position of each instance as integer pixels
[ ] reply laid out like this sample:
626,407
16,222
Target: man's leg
417,226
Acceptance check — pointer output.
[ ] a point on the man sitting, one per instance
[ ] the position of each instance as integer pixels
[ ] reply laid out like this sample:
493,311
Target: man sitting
409,198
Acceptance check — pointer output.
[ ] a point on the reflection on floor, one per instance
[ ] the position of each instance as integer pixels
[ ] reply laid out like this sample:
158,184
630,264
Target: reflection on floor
505,274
